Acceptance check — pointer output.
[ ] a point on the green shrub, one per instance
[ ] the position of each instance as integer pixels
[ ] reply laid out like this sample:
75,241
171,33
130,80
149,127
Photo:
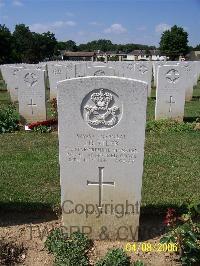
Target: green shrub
42,129
115,257
68,251
9,119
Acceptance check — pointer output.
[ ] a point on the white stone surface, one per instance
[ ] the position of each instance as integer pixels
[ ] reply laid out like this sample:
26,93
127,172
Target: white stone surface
56,73
170,93
100,71
13,82
189,81
155,66
101,149
80,69
127,69
143,71
32,95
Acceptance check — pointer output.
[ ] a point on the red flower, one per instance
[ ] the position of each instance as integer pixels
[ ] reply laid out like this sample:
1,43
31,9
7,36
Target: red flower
170,217
43,123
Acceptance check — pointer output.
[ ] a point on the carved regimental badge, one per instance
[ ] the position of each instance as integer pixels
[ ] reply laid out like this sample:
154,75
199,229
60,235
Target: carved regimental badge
30,79
172,76
143,69
130,66
101,109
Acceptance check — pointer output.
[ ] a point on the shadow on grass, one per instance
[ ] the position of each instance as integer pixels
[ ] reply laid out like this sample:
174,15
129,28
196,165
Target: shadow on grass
151,226
194,98
19,213
153,97
190,119
16,213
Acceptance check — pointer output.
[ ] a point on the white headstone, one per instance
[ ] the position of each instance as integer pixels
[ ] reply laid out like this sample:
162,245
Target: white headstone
126,69
188,84
32,95
170,93
143,72
156,65
101,148
80,69
56,73
13,82
71,72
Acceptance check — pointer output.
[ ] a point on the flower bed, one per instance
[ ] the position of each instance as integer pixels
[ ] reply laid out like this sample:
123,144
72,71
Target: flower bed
47,123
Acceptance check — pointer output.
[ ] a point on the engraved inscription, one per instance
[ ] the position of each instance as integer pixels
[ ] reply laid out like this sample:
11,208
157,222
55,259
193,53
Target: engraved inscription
102,149
101,109
30,79
57,71
172,76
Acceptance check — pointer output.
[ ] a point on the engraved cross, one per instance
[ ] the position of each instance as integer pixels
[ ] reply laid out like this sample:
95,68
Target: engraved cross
100,184
171,102
32,105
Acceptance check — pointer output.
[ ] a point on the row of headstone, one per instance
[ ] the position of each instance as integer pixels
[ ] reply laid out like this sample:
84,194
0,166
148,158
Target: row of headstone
174,86
140,71
191,74
27,85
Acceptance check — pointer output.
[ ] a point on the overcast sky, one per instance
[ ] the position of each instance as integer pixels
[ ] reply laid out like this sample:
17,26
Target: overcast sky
121,21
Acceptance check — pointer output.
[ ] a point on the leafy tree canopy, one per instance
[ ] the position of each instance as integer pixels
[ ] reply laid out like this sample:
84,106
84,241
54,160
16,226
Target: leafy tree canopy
174,42
5,44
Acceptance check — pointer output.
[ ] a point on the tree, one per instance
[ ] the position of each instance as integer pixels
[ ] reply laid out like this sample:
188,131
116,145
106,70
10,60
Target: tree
60,46
102,45
23,42
48,45
5,45
174,42
197,48
70,46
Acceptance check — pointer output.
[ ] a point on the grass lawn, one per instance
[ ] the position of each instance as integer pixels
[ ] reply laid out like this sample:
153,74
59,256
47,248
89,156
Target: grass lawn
29,169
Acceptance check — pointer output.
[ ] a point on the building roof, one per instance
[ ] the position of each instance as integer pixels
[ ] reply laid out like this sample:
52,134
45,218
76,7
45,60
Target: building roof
79,54
144,52
138,52
109,52
154,52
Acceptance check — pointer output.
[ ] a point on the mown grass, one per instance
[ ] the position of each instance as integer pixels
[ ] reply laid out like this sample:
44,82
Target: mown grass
29,167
